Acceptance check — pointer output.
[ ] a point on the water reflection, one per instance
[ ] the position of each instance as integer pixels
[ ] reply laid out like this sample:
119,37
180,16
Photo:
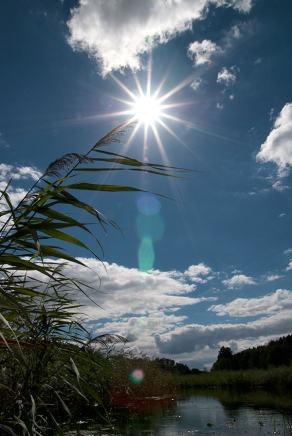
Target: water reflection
206,413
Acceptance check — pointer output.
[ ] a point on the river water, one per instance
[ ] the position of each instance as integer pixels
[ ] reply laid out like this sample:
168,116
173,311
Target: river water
205,413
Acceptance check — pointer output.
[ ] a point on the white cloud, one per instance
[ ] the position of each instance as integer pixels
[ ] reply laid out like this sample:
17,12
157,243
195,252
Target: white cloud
139,330
243,307
238,280
220,106
16,173
128,291
273,277
199,273
240,5
194,337
196,83
117,32
289,267
227,76
144,307
235,32
202,52
136,304
277,147
288,251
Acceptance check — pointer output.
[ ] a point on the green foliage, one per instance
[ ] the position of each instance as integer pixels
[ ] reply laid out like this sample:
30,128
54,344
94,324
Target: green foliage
273,378
47,357
276,353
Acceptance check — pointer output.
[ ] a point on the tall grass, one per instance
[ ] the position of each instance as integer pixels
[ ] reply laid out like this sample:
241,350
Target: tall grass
47,357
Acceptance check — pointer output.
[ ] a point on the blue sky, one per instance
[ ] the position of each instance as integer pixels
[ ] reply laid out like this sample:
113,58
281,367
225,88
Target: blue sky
219,251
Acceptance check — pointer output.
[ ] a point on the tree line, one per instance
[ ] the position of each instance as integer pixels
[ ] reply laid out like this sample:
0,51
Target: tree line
274,354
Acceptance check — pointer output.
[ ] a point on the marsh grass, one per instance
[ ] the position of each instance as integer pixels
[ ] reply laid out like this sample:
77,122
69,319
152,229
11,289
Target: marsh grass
50,369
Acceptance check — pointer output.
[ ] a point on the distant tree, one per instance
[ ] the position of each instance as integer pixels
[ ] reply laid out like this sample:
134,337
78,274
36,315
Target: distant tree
224,359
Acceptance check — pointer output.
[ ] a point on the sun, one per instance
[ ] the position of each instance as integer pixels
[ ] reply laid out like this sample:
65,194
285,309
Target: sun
147,110
150,109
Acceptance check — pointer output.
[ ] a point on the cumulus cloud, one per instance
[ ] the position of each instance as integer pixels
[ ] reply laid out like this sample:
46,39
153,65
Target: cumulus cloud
127,291
195,337
199,273
133,303
277,147
202,52
244,307
145,308
117,32
140,330
16,173
238,280
226,76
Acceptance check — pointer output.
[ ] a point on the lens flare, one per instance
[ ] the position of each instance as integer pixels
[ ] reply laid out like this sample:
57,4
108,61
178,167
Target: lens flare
148,204
146,255
151,226
137,376
150,229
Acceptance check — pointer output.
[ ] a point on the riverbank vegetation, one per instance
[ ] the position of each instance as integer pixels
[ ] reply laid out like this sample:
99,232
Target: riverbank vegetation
273,378
267,366
51,373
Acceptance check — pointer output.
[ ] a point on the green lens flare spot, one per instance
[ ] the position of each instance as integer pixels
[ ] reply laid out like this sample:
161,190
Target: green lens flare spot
151,227
137,376
146,255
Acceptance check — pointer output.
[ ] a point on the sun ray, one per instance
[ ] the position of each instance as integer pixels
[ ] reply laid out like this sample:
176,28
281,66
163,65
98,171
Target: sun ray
174,105
145,143
124,87
160,86
138,84
176,89
122,100
170,131
177,119
160,145
132,136
149,76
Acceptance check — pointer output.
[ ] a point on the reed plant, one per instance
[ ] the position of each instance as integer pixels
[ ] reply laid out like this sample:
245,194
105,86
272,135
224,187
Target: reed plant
50,369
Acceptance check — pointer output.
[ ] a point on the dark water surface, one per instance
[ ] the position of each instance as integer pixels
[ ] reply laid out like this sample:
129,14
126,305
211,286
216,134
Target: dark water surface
205,413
